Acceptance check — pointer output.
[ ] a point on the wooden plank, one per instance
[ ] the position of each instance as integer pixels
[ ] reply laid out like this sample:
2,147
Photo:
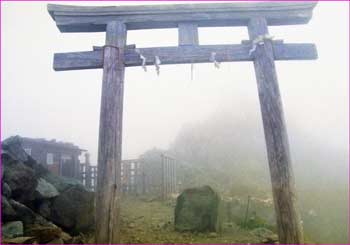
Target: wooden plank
78,60
188,34
182,55
283,187
94,19
110,137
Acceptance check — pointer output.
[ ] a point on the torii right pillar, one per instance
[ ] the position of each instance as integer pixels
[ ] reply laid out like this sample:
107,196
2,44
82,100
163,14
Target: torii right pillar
289,225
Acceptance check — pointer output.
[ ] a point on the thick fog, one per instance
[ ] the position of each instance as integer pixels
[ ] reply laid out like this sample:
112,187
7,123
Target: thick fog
39,102
211,123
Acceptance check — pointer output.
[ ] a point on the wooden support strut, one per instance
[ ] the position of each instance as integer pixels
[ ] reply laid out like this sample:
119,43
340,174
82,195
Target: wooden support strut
188,34
283,187
110,136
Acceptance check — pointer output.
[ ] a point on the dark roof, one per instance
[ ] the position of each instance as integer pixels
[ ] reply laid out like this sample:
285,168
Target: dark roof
70,18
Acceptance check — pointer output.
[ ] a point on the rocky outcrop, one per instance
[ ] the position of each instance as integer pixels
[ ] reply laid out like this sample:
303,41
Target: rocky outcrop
197,209
37,206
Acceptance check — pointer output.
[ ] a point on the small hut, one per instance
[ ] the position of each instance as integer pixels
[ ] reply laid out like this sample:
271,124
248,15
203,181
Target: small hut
60,158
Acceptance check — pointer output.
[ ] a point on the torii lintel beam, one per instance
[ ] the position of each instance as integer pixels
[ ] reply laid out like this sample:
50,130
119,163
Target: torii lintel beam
182,55
95,19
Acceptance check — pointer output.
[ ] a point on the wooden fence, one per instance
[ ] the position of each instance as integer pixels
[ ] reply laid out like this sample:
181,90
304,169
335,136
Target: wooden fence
139,176
88,176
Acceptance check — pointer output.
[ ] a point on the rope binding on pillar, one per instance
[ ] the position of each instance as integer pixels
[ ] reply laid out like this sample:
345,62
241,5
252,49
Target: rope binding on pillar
259,40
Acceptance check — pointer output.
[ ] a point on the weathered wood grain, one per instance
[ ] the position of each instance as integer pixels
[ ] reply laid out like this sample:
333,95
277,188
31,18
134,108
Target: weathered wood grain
188,34
110,137
94,19
283,187
182,55
130,46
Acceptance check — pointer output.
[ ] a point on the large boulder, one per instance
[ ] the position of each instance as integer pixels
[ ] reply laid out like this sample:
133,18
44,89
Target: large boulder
74,209
197,209
45,190
20,178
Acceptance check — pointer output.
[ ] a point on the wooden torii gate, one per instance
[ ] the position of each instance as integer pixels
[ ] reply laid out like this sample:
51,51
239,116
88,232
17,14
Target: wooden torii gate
116,55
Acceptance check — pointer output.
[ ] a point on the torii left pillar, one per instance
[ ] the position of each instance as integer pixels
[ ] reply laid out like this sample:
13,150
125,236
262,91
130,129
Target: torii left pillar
110,136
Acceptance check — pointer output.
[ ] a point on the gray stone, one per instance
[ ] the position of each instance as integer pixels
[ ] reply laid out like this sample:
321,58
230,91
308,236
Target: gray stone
62,183
197,209
74,209
20,178
12,229
45,190
26,215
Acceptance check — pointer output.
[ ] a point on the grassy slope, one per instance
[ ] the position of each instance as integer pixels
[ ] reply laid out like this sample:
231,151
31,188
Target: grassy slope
152,222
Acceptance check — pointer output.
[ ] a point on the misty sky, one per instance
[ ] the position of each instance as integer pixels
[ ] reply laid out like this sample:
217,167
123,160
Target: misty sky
39,102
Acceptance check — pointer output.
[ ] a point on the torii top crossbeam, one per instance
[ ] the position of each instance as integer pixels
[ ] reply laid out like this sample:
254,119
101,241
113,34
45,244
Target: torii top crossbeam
116,55
94,19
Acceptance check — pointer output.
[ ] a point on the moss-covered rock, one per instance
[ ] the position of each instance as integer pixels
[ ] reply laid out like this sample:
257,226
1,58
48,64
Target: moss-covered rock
74,210
197,209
